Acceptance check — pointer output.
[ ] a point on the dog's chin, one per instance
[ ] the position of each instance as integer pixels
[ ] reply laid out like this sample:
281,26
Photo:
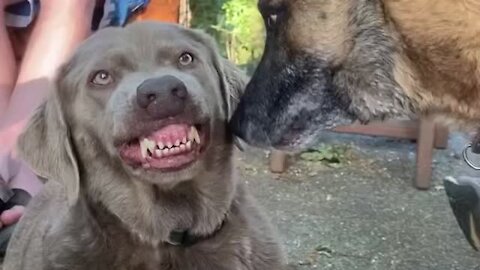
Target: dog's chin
166,154
296,140
297,135
288,108
168,179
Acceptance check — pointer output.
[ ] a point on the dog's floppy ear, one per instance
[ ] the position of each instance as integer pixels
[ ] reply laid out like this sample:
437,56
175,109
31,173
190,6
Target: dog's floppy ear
233,82
47,147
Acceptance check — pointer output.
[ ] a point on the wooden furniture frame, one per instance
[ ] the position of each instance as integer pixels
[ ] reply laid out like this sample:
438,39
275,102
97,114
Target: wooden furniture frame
427,134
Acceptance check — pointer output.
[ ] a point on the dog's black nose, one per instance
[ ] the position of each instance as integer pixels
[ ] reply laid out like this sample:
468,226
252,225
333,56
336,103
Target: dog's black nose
162,97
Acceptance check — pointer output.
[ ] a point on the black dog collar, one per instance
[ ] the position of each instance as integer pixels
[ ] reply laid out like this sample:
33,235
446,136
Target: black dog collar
184,238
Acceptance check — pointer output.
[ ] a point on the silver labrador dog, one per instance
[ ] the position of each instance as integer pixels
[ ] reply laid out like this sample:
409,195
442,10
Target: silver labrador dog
135,144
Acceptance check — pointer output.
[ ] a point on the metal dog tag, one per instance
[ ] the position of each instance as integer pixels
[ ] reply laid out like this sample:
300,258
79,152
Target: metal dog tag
467,158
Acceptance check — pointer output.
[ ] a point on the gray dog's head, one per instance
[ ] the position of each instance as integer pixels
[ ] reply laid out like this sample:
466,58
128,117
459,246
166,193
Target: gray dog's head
150,101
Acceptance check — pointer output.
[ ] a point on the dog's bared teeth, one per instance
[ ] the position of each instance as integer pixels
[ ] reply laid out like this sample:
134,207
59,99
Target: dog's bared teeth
165,151
146,146
183,147
190,133
158,153
177,142
196,136
193,135
169,144
151,145
189,145
160,145
184,140
143,149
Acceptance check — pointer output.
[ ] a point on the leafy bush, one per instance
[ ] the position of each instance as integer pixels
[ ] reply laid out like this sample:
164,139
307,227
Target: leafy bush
236,24
332,155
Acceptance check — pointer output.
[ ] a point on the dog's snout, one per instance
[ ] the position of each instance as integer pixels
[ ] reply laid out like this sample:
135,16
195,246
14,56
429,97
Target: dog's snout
246,126
162,97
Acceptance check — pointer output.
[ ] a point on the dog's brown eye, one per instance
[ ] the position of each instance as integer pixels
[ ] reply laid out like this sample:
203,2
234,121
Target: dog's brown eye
272,20
185,59
102,77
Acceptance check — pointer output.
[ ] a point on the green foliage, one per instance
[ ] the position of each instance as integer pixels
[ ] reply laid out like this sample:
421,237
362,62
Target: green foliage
246,27
332,155
207,13
236,24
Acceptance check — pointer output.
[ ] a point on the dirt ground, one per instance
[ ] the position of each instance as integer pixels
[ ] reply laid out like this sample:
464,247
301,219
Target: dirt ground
365,214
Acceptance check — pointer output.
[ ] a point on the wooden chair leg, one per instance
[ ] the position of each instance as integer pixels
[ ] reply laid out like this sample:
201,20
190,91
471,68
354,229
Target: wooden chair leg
277,161
425,144
441,137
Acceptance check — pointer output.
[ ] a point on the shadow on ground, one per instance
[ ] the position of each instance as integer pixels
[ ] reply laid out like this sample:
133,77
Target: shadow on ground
365,214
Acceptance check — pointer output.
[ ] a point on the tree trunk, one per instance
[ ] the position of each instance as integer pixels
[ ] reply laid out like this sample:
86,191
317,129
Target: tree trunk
185,14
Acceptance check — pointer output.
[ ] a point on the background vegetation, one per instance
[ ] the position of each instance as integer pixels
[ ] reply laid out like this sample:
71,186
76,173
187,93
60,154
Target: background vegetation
236,25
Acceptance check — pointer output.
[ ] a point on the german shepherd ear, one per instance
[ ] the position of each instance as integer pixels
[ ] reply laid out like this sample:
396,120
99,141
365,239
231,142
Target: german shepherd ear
46,144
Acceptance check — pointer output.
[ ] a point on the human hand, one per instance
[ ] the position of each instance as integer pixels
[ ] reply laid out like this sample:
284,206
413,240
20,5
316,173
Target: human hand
23,184
8,214
11,216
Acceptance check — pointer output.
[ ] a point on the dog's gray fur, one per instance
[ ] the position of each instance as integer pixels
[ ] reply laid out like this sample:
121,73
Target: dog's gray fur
95,212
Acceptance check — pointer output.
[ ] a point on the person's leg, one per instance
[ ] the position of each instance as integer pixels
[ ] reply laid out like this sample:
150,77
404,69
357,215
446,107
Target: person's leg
8,68
60,27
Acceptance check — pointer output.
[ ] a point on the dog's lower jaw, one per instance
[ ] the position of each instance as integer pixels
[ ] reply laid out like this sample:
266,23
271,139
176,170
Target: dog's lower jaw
164,180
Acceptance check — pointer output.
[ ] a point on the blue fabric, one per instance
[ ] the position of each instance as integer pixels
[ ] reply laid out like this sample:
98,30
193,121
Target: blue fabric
21,14
115,12
20,9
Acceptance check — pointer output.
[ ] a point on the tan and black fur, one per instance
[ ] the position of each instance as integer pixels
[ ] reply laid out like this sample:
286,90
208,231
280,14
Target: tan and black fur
95,211
329,62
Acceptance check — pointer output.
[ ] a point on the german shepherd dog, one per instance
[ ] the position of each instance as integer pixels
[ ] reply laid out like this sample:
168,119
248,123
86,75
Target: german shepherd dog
328,62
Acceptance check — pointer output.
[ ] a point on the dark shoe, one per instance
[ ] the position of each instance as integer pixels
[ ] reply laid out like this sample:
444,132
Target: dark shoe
464,197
